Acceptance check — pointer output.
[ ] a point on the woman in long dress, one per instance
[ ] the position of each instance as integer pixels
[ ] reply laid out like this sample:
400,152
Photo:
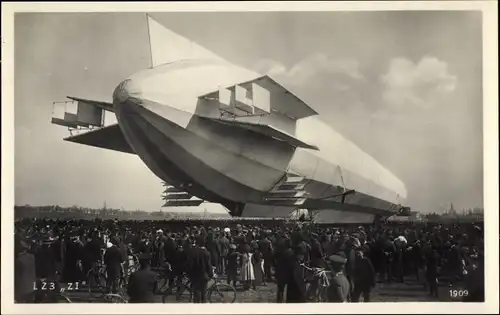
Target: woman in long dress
247,271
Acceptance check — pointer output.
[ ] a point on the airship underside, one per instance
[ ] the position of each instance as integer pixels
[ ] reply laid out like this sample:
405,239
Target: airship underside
220,133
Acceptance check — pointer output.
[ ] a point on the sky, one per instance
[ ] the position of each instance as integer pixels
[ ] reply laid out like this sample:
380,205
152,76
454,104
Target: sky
405,86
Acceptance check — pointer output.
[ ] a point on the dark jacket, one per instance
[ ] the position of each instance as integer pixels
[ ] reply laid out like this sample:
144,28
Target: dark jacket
296,287
266,248
113,260
198,265
25,276
364,273
142,286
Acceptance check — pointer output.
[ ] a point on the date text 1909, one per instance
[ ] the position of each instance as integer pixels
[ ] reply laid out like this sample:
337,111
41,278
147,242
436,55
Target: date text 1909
52,286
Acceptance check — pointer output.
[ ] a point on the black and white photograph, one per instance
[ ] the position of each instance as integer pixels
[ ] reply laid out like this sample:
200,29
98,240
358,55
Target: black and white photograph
250,156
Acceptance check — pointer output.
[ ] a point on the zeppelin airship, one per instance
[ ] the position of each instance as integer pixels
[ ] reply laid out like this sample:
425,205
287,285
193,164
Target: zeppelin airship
217,132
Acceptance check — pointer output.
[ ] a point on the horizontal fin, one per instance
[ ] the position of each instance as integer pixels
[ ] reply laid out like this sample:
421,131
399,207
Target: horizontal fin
110,137
266,130
183,203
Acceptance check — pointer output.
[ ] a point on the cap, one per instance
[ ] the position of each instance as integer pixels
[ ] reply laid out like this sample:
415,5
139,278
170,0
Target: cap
227,230
232,246
337,259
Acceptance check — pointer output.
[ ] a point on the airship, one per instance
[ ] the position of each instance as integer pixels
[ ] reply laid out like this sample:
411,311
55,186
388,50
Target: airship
217,132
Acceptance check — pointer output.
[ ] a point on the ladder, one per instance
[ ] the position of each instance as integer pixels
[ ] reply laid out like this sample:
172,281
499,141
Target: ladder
289,191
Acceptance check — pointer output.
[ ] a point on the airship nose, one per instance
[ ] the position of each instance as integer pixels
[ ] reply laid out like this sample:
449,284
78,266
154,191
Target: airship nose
122,93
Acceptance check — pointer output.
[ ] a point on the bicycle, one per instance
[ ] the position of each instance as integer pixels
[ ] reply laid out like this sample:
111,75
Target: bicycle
97,283
317,284
214,291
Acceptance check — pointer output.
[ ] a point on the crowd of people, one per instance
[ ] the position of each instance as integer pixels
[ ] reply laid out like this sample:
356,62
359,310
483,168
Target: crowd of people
252,255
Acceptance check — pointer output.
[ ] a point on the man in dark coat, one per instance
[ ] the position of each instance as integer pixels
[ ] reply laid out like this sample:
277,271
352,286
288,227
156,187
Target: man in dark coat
266,248
213,247
295,285
93,250
224,247
364,277
73,255
113,261
143,283
339,288
282,256
431,272
199,270
24,270
350,255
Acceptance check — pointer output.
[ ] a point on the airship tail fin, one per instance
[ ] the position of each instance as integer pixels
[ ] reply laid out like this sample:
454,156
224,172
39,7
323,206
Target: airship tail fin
167,46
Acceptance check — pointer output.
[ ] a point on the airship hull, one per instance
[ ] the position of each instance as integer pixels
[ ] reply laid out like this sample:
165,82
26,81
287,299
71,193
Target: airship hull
219,163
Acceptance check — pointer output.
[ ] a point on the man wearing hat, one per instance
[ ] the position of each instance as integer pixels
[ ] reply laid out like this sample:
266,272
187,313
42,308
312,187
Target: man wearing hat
364,276
142,284
113,261
266,248
199,269
295,285
339,288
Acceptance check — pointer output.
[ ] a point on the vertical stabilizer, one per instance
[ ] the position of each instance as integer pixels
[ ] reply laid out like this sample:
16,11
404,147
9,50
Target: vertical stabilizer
167,46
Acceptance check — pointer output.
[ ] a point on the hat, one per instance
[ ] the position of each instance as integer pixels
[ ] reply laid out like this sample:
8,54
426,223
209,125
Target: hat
159,231
402,239
232,246
227,230
337,259
145,257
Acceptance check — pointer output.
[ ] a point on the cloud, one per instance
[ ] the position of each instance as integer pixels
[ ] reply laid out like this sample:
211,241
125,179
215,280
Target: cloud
421,84
312,67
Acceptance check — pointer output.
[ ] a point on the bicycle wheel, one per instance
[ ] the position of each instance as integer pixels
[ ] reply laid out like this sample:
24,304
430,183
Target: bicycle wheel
182,293
115,298
96,284
221,293
62,298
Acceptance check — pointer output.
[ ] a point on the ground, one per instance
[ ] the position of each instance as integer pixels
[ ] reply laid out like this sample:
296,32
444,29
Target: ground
410,291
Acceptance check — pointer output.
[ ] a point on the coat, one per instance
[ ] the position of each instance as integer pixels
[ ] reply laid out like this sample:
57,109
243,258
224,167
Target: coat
25,276
296,287
198,265
113,260
339,288
364,273
142,286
